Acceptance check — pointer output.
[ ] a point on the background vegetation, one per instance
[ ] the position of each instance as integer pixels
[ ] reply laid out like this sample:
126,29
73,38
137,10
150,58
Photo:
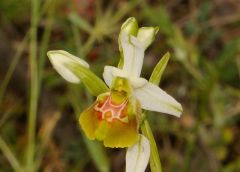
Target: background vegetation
39,111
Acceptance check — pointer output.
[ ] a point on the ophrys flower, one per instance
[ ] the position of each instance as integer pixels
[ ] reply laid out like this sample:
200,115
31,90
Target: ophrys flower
115,116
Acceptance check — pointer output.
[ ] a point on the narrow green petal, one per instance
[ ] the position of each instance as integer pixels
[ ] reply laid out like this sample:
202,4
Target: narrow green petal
93,83
159,69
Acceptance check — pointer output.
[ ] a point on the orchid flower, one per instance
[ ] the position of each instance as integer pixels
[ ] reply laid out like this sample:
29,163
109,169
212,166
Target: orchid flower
115,116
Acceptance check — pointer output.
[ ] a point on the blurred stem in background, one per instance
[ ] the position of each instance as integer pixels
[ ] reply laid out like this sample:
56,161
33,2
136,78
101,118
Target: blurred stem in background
3,87
10,156
12,67
35,82
45,38
36,69
33,100
47,129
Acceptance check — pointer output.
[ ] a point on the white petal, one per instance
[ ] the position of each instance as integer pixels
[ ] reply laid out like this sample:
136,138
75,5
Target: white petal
133,52
60,58
137,156
110,72
146,35
153,98
137,82
107,75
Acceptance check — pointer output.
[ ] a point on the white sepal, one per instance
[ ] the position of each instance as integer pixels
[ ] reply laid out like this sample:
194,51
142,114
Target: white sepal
155,99
137,156
133,53
61,61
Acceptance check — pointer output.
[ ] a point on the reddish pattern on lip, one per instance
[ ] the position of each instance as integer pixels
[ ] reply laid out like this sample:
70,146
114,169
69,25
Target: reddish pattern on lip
108,111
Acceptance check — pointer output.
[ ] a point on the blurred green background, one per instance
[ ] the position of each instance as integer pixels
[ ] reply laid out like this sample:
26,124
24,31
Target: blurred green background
39,111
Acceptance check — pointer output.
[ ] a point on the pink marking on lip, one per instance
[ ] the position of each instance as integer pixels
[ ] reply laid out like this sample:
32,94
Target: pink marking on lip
110,111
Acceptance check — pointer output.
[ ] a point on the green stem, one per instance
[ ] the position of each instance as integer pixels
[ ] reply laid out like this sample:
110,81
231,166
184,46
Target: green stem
155,163
33,87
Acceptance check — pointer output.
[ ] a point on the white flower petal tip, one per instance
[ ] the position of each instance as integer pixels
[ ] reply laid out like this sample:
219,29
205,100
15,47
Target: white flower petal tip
137,156
155,99
60,59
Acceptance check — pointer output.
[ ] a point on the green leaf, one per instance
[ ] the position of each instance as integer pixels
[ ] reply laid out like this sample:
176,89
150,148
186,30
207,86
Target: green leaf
159,69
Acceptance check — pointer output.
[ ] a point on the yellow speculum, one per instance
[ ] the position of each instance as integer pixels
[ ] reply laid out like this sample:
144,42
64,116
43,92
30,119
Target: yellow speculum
109,111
